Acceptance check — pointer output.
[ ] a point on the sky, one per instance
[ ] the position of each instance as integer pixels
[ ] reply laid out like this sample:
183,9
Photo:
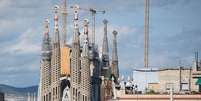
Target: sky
175,33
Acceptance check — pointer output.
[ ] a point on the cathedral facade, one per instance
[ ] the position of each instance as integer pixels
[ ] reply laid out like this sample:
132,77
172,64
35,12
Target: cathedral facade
91,75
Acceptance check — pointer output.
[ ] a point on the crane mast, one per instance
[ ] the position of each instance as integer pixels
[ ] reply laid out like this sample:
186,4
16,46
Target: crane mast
93,14
64,22
146,33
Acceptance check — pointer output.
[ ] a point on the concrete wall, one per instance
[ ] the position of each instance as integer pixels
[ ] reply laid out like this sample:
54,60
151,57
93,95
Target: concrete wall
174,77
168,78
182,80
154,86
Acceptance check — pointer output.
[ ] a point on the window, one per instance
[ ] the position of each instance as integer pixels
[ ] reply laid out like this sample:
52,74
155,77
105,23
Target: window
169,86
185,86
53,91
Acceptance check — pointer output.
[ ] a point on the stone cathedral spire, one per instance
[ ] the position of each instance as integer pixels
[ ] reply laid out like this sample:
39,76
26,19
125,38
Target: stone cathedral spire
45,76
115,68
55,61
75,58
91,75
85,84
105,52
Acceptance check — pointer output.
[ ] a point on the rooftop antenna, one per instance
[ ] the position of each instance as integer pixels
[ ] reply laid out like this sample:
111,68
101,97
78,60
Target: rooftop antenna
196,59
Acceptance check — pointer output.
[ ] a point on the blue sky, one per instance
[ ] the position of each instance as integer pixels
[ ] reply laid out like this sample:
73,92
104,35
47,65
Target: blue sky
175,33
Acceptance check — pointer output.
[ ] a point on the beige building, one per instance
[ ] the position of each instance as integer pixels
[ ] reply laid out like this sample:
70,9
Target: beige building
196,77
178,78
181,79
154,86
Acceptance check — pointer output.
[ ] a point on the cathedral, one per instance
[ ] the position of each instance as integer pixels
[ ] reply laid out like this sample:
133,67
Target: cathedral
76,72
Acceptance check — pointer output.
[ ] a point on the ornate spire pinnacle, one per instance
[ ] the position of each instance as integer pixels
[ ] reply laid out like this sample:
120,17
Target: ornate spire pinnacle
85,51
46,29
86,26
114,50
105,48
56,8
76,27
75,9
56,38
46,39
115,68
46,24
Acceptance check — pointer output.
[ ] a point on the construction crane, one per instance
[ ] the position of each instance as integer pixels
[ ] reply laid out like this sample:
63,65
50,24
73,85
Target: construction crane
93,12
146,33
64,21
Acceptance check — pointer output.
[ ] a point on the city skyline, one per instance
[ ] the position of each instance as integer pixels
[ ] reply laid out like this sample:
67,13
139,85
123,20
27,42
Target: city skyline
21,51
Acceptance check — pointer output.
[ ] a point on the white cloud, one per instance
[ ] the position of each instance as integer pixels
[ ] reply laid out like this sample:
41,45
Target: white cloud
123,32
24,44
21,18
4,3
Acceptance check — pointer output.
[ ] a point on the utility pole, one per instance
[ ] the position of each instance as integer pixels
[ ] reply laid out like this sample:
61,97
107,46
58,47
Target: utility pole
171,93
196,59
146,34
